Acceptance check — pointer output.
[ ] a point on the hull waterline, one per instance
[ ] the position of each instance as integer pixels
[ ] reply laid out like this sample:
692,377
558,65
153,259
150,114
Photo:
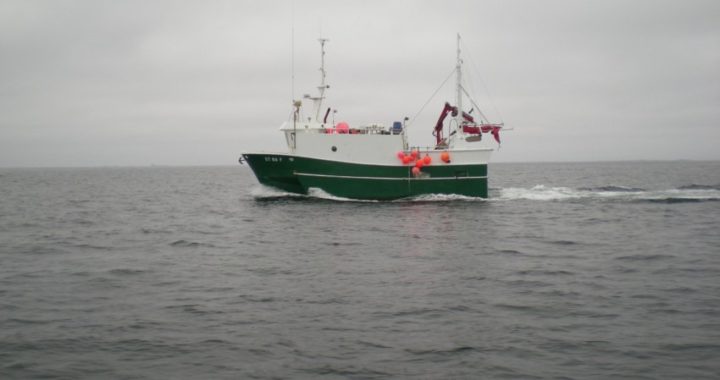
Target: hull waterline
297,174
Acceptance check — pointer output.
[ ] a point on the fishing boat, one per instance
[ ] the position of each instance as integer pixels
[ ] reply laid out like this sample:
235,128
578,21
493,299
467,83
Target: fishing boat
377,162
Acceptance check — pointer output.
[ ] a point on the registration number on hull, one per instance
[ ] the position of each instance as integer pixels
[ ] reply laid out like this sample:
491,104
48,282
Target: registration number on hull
277,159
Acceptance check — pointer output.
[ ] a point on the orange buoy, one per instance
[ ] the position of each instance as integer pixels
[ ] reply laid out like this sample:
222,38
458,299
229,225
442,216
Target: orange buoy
400,155
445,157
414,153
416,171
427,160
419,163
406,160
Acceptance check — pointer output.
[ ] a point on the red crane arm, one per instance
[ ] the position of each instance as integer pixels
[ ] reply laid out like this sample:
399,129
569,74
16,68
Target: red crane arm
446,110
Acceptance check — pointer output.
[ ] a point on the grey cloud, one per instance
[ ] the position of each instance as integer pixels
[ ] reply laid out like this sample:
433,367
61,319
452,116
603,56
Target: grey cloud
137,82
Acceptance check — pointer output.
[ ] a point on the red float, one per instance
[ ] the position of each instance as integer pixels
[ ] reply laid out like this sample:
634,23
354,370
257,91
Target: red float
342,127
445,157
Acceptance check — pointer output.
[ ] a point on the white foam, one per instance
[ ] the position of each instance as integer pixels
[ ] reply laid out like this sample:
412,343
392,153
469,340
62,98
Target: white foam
315,192
540,193
535,193
440,198
545,193
267,192
264,192
690,194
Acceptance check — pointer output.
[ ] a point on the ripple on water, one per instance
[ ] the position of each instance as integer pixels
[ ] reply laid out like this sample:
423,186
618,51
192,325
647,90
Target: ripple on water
644,257
594,280
127,271
182,243
350,372
544,272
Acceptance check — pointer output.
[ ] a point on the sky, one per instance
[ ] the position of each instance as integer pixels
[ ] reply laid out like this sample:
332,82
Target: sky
139,83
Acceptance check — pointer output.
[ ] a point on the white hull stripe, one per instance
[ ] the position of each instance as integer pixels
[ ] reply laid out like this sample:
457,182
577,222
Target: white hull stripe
485,162
389,178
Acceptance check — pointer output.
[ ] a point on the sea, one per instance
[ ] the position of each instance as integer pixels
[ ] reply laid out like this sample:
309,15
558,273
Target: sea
605,270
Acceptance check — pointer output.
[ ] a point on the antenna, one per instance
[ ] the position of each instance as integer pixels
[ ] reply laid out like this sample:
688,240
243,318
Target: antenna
323,86
292,51
458,95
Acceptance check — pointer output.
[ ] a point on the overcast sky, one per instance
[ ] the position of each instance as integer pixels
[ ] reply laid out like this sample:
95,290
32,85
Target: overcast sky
95,83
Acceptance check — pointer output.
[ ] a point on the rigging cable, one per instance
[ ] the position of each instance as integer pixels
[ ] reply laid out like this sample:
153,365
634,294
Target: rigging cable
477,71
431,98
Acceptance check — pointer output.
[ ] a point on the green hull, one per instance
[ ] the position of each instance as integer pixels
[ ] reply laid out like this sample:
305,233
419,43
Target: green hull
359,181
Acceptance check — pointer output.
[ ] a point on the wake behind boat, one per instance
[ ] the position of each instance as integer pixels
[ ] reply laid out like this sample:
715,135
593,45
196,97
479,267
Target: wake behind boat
375,162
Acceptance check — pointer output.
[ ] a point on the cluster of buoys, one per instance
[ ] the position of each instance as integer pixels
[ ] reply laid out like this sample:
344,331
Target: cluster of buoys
420,161
423,161
407,158
414,157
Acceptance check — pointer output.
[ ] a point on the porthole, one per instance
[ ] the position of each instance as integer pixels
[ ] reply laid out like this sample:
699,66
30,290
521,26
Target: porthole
334,148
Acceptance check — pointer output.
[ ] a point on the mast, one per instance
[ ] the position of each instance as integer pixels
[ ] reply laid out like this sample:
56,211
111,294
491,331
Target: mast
317,101
458,94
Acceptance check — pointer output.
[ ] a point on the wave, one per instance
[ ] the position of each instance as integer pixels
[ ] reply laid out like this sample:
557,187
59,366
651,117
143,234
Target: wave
539,193
644,257
190,244
692,193
694,186
683,194
441,198
265,193
127,271
613,188
268,193
261,192
317,193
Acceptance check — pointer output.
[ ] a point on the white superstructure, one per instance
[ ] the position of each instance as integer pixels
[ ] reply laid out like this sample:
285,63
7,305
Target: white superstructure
315,137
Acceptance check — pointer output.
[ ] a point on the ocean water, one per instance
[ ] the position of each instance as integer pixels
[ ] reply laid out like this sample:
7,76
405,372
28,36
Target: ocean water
569,271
